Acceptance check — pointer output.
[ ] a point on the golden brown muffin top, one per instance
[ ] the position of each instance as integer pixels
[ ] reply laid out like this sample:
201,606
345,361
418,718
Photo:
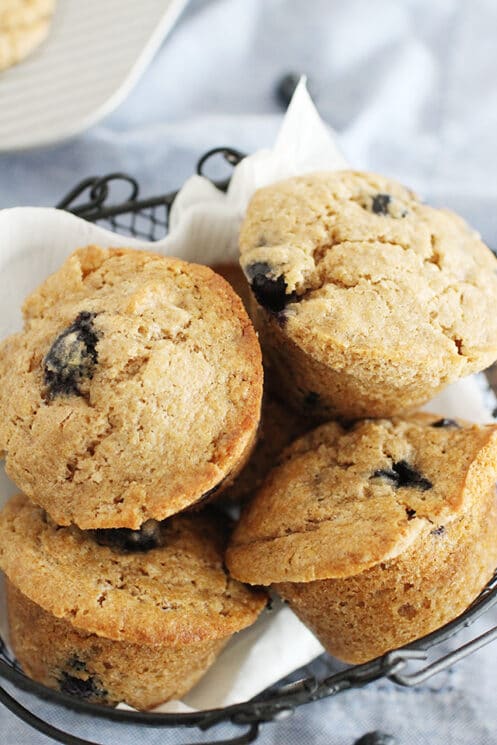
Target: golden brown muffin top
354,260
176,593
134,388
344,500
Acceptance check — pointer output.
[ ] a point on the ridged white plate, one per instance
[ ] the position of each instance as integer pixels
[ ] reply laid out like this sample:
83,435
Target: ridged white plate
95,53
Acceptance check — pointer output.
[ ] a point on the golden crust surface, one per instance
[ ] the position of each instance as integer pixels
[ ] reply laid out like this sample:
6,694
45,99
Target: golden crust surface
396,601
101,671
279,426
163,406
400,283
176,593
344,500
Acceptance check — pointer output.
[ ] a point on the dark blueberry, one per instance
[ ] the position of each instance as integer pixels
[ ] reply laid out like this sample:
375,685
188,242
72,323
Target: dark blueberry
285,88
381,204
270,292
72,357
311,400
80,687
258,267
376,738
124,539
385,205
281,318
411,514
494,413
348,424
438,531
446,423
402,474
76,664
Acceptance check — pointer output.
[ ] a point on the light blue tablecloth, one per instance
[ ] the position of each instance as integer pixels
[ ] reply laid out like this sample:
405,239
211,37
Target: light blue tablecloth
411,88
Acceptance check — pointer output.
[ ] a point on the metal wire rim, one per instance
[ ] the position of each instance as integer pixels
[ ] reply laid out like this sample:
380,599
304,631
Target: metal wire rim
271,705
91,200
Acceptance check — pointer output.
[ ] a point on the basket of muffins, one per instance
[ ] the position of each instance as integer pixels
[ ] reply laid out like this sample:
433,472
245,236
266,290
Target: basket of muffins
137,408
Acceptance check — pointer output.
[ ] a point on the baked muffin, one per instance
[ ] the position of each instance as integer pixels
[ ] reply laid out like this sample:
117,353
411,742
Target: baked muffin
113,616
279,426
368,302
377,534
233,274
24,25
133,391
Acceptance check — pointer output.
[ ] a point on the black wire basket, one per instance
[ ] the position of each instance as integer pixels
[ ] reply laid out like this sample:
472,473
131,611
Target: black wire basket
410,666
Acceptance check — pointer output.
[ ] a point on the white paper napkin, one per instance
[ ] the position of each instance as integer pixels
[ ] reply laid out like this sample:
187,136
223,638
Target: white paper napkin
204,226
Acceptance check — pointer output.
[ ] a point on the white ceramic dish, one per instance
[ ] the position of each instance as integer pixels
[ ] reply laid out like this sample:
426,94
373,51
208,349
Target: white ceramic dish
95,53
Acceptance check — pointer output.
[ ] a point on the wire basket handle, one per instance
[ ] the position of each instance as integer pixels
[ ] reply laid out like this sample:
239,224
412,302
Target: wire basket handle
91,198
99,190
66,738
230,155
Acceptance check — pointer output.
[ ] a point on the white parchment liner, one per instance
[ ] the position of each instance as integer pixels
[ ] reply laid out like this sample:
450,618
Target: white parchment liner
204,227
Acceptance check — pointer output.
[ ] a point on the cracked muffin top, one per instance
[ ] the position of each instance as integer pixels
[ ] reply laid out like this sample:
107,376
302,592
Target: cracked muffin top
177,591
349,260
133,390
345,499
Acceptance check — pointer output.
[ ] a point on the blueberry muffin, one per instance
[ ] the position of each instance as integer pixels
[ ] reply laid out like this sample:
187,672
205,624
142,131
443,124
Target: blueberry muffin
133,391
120,615
233,274
279,426
375,534
368,302
24,25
